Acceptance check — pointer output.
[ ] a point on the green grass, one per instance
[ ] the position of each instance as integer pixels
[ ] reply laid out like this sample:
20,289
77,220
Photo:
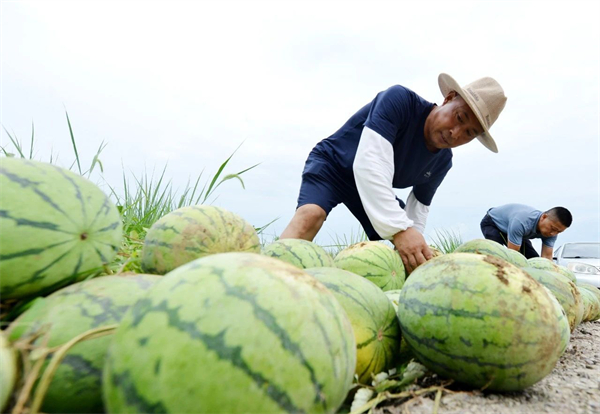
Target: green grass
143,200
339,243
446,240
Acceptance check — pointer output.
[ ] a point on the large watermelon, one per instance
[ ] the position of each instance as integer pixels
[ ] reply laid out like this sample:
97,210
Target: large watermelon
482,321
300,253
232,333
546,264
516,258
8,371
71,311
376,261
56,227
484,246
372,316
189,233
563,290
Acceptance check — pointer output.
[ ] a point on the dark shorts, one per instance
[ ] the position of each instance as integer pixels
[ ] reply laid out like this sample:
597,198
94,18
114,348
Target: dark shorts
325,186
491,232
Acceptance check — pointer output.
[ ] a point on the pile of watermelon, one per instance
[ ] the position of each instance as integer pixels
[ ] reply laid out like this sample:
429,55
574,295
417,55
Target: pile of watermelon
219,323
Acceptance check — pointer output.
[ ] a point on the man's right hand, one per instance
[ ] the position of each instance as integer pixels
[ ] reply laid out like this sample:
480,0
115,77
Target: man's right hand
412,248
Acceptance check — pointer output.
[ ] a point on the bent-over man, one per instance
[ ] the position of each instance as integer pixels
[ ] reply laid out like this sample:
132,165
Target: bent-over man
514,225
398,140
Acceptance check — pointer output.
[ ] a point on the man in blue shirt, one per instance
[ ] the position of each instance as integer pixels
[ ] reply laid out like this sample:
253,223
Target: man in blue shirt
513,225
398,140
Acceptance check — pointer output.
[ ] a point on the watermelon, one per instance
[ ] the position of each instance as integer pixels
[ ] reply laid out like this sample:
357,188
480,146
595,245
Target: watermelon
591,305
482,321
374,260
484,246
516,258
192,232
546,264
57,227
300,253
373,319
69,312
564,290
8,371
232,333
595,291
563,322
405,354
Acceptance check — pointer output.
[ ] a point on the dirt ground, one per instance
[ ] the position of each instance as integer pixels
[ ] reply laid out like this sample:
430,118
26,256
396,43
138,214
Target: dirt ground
573,387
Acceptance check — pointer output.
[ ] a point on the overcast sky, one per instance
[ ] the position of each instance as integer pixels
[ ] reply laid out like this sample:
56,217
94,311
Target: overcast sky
185,83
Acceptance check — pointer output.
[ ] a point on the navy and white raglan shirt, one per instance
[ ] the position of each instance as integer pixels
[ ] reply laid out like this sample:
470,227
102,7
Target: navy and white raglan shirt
382,147
519,222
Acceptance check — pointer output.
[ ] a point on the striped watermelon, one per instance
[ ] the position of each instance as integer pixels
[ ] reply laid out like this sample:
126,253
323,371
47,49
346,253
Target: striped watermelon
56,227
482,321
564,290
73,310
591,305
595,291
516,258
405,354
545,264
232,333
374,260
8,371
484,246
373,319
563,322
300,253
189,233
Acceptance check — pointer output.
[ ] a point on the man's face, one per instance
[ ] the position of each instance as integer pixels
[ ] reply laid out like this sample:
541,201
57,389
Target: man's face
451,125
548,227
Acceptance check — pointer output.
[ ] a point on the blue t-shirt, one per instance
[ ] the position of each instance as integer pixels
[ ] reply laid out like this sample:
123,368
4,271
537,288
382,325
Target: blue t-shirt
398,114
519,222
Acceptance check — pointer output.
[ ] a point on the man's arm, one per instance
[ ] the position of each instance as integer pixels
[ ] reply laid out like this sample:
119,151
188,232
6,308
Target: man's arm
417,212
373,172
547,252
513,246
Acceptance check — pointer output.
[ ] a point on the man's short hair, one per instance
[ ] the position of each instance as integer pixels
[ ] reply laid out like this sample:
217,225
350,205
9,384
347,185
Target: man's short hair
561,214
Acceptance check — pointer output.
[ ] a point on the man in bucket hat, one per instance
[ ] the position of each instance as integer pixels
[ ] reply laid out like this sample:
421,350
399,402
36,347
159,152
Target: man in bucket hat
398,140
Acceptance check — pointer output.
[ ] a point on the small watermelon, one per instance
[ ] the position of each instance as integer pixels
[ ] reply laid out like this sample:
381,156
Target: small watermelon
376,261
189,233
482,321
405,354
546,264
372,316
232,333
56,228
563,290
300,253
591,305
69,312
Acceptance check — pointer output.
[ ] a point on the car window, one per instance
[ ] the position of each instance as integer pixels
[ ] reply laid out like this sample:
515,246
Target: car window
581,251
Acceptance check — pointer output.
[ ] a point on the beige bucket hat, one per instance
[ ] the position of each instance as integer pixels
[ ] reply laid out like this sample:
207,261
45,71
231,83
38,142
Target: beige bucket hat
485,97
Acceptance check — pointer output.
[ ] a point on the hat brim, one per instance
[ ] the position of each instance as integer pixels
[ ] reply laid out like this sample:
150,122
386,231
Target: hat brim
447,84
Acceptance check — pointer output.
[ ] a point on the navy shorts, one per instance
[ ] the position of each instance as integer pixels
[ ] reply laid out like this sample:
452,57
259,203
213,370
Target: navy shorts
326,186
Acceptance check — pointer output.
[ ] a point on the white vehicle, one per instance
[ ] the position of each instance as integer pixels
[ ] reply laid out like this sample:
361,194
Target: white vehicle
583,259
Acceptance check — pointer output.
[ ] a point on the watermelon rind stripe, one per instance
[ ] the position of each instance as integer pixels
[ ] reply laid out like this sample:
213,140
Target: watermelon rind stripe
31,252
217,344
430,343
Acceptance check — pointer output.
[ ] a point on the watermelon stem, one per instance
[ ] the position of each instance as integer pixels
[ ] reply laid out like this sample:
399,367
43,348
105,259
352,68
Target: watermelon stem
58,357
